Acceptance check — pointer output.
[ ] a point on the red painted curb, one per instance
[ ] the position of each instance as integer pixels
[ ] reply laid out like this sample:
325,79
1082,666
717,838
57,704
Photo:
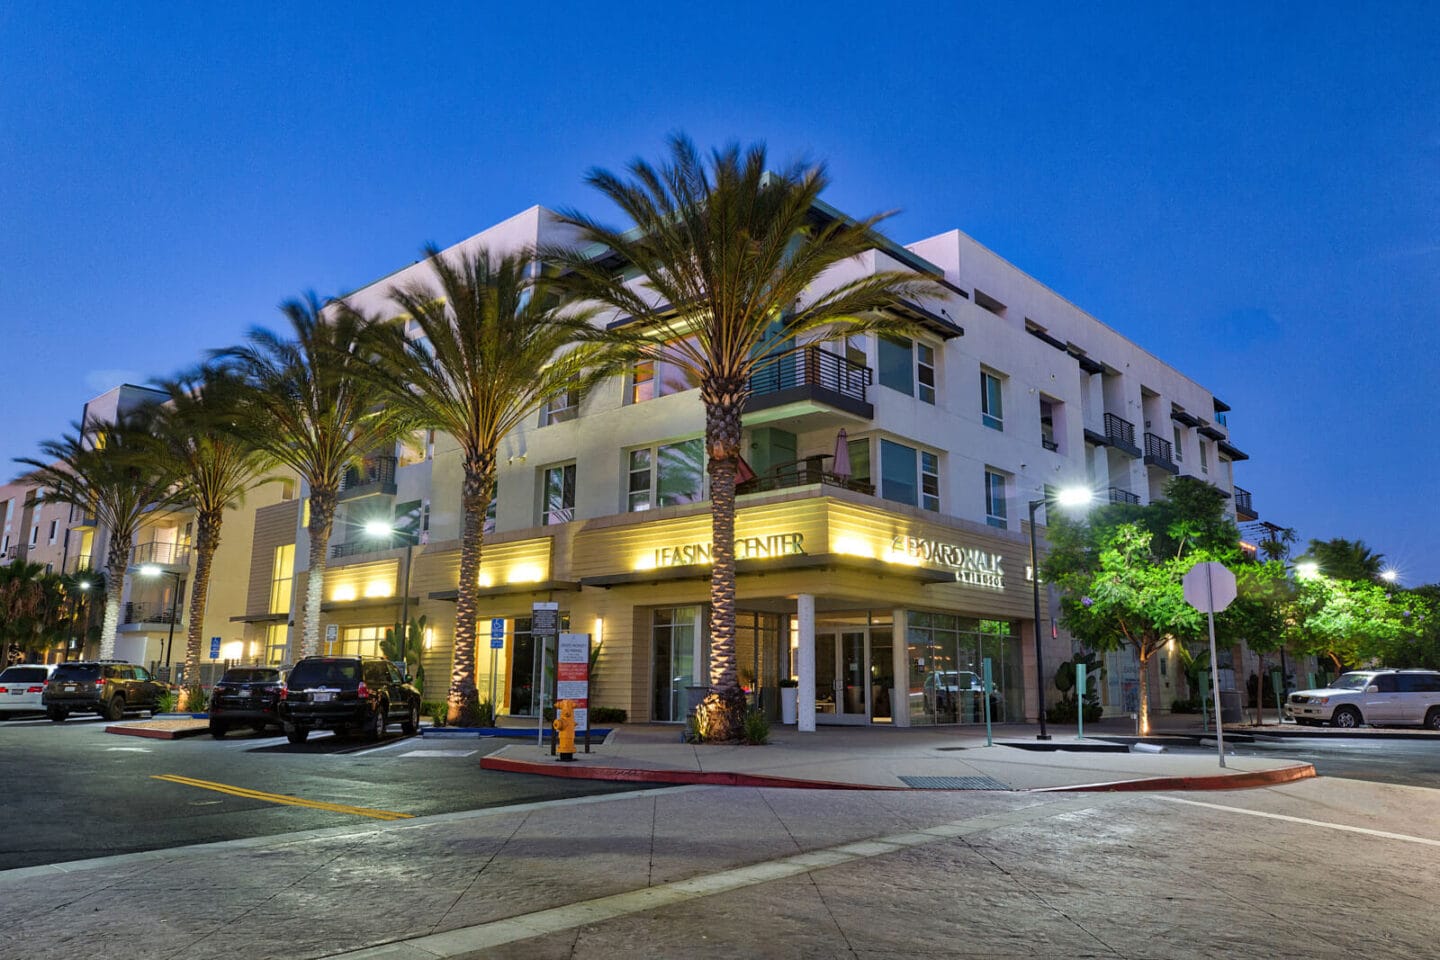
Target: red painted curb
1216,781
716,779
155,734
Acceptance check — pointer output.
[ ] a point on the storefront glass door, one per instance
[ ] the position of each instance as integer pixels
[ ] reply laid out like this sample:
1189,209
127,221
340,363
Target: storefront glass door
841,669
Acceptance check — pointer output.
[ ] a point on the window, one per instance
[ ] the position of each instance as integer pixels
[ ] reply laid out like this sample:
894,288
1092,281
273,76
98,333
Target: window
275,642
907,366
666,475
1179,446
282,577
657,378
1204,457
909,476
490,509
561,408
358,642
1047,425
860,460
642,381
992,410
558,495
34,534
996,513
54,526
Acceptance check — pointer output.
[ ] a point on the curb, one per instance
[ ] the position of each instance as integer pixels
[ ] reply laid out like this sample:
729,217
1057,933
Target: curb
1221,781
151,734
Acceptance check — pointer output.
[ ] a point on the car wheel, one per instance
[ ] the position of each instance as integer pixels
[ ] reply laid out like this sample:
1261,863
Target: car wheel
411,724
56,713
1347,717
297,734
115,709
375,726
218,730
1432,719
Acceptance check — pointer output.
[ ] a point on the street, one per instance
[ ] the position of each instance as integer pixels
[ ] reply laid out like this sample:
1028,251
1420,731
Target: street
1382,760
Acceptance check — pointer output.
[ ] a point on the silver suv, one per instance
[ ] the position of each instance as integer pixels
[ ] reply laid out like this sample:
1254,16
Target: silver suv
1377,697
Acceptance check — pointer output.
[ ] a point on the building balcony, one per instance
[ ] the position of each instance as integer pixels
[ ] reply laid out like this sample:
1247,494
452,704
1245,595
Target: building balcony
147,611
1118,495
1160,453
801,473
374,477
1120,434
809,380
79,564
1244,511
161,554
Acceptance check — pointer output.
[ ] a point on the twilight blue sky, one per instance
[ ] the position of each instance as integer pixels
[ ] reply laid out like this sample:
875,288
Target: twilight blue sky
1252,196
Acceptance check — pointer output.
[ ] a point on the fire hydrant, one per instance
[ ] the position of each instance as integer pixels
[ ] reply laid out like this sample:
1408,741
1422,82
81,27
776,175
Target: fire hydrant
564,724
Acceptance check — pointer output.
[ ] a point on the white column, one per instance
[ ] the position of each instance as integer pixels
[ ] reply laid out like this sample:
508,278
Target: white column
805,665
900,698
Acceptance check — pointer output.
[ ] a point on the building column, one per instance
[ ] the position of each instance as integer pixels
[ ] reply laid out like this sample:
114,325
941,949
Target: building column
805,663
900,660
1027,670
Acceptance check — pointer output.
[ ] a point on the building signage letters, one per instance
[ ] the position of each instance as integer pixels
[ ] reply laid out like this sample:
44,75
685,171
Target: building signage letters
746,548
974,566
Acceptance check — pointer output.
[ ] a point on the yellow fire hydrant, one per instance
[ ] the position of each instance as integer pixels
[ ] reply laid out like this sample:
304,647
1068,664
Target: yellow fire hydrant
564,724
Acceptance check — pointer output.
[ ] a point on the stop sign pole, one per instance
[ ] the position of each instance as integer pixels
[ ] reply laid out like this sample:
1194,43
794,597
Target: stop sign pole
1210,587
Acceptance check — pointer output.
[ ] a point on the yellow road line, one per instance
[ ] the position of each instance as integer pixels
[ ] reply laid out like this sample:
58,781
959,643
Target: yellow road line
283,799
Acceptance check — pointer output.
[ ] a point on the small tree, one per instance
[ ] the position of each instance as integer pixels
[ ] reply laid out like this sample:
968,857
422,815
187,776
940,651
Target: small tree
410,651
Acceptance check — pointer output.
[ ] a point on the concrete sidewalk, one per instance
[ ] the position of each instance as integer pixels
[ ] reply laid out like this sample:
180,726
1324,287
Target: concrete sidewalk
878,758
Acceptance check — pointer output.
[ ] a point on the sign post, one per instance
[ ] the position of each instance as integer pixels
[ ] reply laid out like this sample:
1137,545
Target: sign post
544,626
214,648
1080,698
1209,588
572,678
497,642
986,668
1204,700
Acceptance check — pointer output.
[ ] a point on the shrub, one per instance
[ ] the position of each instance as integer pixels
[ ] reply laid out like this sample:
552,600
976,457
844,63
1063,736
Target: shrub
197,700
608,715
436,710
168,702
1064,710
477,713
757,729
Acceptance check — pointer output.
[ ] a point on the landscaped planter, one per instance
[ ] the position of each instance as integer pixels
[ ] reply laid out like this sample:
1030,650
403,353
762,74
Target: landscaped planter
515,733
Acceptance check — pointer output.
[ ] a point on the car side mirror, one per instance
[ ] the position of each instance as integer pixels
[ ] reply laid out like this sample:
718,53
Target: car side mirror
1373,688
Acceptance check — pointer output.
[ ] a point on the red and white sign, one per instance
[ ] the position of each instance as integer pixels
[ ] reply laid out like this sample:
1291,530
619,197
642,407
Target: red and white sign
572,675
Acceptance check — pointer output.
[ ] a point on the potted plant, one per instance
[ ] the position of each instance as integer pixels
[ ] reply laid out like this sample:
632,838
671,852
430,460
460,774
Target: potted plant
789,693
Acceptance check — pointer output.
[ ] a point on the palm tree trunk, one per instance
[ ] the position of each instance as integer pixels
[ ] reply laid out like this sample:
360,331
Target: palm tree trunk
724,708
322,519
479,487
117,561
207,541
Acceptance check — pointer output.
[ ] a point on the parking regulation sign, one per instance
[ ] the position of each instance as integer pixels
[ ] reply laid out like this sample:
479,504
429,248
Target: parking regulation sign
214,648
497,633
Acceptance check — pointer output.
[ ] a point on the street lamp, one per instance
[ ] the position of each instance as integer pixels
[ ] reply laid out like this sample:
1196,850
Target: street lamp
151,570
1069,497
1390,576
383,529
84,587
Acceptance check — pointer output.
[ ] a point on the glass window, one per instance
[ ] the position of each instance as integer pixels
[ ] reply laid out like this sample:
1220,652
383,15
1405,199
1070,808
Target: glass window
275,644
1204,458
898,477
558,503
860,460
358,642
639,495
925,371
1179,444
282,577
996,513
642,381
666,476
992,411
896,365
675,635
929,480
490,510
1047,425
561,408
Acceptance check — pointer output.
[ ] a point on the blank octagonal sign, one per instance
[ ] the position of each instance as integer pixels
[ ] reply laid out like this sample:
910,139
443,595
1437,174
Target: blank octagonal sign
1209,587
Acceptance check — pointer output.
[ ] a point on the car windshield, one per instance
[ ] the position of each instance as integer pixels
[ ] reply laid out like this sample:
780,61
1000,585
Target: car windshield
76,671
251,675
1351,681
23,674
324,672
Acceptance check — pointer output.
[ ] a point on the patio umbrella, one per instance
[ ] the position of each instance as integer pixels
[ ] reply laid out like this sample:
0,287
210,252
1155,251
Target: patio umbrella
841,467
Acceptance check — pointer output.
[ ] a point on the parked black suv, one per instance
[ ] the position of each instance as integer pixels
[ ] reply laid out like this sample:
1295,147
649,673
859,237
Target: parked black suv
347,694
245,696
106,687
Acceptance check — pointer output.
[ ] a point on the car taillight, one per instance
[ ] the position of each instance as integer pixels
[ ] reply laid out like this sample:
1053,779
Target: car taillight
4,689
40,689
362,691
100,682
284,692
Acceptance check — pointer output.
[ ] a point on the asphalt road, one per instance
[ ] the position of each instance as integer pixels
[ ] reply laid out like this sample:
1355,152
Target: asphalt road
72,791
1415,763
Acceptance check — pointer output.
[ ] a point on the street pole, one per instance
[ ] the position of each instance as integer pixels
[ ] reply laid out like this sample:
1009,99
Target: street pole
174,605
405,599
1039,655
1214,672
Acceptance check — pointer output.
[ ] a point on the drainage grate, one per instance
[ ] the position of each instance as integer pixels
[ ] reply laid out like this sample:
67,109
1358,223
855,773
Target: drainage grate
955,783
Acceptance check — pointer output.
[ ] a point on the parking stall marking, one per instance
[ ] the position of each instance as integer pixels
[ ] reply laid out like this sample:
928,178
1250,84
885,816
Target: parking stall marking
282,798
1383,834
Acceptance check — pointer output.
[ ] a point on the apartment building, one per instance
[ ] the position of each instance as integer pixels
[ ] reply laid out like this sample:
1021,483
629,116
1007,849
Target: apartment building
883,542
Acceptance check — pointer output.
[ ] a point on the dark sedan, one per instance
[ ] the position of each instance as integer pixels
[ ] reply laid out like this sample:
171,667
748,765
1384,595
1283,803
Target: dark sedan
245,697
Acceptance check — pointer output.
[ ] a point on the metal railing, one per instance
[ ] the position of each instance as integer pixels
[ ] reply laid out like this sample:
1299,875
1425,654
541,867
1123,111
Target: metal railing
168,554
810,366
79,564
1160,452
1118,495
800,474
1242,501
375,470
1049,444
1119,430
339,551
151,612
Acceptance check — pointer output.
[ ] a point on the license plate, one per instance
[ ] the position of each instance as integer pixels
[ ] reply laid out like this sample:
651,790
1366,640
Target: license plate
70,688
321,697
17,693
244,691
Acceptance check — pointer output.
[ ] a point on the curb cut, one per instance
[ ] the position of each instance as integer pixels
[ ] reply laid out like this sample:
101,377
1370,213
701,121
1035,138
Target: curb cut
1215,781
150,734
712,779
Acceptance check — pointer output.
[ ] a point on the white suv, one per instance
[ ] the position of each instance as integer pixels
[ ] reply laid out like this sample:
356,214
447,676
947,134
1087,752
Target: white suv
1377,697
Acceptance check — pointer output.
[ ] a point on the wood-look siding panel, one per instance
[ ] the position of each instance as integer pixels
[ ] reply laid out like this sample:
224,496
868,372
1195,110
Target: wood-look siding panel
274,527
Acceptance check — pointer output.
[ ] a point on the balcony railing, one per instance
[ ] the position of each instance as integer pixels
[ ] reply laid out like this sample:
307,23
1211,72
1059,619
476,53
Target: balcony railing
151,612
1117,495
1049,443
1120,433
338,551
166,554
799,474
1243,508
375,476
1160,453
810,373
79,564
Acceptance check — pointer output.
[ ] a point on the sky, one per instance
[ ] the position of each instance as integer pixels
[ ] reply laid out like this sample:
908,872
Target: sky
1251,192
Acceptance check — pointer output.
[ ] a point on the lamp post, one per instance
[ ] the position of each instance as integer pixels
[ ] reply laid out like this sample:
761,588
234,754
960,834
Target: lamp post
151,570
383,529
84,587
1069,497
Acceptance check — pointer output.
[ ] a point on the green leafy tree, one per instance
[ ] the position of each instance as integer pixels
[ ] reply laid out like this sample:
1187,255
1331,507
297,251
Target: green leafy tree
106,471
1342,559
34,609
411,651
722,266
310,403
1353,621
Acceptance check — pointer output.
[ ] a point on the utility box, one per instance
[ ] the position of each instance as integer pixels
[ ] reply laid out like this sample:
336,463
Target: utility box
1231,709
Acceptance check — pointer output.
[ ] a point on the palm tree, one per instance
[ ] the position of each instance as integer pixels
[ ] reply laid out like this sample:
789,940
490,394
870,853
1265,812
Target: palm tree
1346,559
490,351
307,404
732,260
213,466
105,470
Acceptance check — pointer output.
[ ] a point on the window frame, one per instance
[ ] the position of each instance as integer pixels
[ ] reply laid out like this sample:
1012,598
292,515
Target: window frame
551,516
999,519
651,470
993,419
